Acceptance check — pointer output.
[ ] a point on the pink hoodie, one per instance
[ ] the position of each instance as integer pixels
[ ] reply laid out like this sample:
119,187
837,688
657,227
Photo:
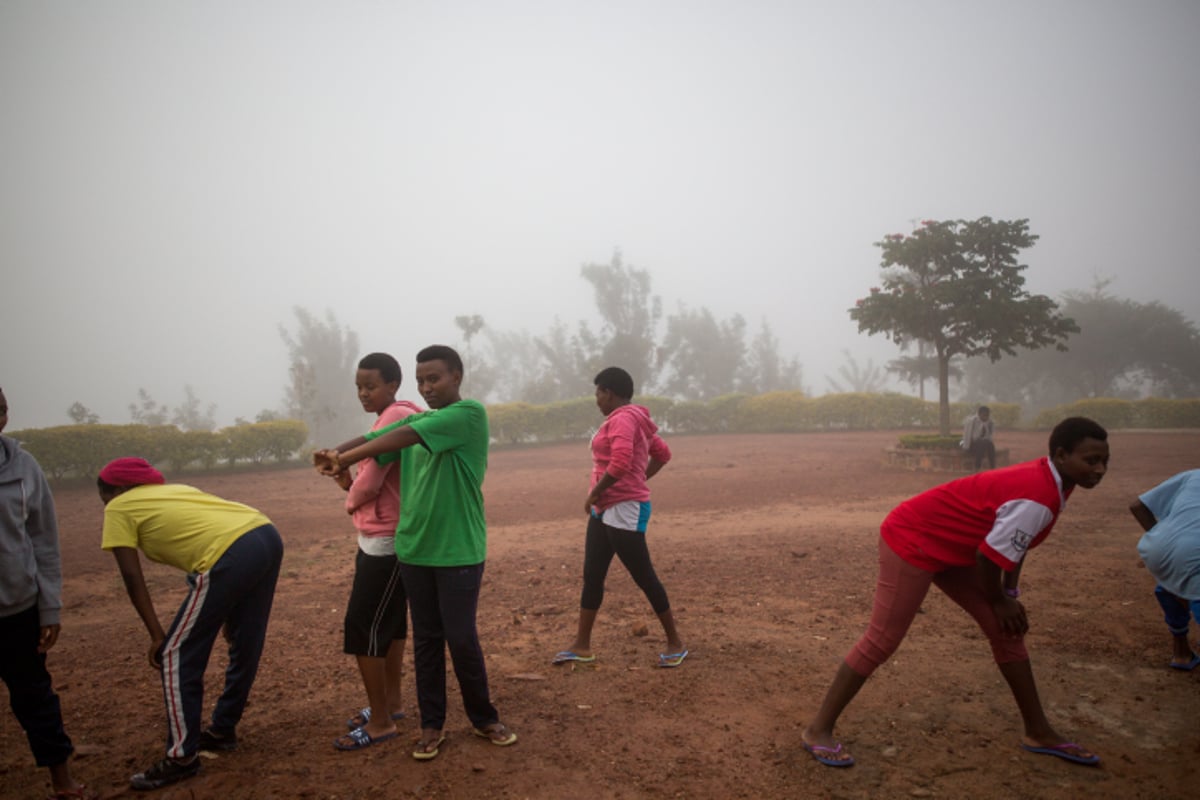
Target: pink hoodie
622,447
374,496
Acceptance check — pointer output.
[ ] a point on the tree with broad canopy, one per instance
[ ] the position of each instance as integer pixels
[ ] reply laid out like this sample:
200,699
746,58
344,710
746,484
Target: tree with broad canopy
957,286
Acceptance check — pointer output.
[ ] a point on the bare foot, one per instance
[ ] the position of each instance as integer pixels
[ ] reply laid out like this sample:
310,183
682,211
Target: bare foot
377,730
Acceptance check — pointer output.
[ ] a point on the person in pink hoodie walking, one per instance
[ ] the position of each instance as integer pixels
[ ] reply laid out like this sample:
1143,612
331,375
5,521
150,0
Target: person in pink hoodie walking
626,452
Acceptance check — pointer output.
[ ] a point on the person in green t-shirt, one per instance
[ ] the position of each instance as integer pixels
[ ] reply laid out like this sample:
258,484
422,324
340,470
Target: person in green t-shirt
441,539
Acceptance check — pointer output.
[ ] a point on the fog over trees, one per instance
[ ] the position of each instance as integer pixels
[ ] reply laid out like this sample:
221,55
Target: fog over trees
324,356
690,353
1123,349
961,276
856,377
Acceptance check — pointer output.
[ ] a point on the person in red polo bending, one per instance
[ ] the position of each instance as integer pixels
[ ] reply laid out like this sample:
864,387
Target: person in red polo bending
969,537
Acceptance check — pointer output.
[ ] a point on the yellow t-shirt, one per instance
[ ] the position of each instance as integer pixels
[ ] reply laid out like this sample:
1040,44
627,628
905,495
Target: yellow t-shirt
177,525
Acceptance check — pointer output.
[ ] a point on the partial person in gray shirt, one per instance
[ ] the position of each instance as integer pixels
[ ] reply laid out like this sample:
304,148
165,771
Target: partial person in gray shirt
30,603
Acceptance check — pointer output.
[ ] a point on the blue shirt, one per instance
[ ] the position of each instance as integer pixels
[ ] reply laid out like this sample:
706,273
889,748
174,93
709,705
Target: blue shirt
1171,549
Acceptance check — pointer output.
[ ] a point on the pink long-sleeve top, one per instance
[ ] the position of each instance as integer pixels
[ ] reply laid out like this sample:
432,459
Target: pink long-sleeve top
374,496
622,447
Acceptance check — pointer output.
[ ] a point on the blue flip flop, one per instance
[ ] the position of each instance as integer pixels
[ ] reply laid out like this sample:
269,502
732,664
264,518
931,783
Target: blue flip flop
566,656
672,659
1063,751
364,716
819,753
1189,666
359,738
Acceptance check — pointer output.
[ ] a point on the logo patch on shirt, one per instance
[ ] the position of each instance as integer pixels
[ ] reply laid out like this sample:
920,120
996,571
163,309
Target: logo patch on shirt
1021,540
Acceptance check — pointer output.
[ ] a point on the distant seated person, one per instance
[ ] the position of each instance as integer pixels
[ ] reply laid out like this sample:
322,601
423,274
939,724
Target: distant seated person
977,437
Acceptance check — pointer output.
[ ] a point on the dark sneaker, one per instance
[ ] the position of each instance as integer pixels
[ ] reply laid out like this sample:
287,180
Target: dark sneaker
215,742
164,773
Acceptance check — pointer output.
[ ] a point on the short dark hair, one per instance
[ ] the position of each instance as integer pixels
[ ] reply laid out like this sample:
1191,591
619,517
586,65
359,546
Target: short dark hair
984,410
389,368
441,352
617,381
1073,430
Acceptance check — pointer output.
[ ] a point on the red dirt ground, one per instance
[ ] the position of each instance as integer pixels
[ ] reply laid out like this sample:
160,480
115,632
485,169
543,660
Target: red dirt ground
767,547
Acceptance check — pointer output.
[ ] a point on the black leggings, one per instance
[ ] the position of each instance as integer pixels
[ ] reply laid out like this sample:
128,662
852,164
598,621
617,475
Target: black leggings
602,543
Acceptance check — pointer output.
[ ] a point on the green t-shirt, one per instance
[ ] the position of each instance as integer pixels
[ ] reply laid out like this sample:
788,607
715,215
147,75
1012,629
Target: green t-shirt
441,514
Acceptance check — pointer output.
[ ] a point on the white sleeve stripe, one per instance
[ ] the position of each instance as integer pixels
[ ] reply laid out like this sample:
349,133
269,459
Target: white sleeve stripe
1018,523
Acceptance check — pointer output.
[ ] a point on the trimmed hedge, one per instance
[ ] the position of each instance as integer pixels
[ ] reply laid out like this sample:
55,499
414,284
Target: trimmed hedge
773,412
718,415
1151,412
82,450
513,423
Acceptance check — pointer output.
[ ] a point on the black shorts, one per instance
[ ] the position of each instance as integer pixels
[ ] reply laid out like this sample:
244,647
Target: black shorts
378,610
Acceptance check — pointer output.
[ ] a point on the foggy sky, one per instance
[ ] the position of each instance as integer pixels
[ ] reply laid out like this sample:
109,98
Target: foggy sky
175,177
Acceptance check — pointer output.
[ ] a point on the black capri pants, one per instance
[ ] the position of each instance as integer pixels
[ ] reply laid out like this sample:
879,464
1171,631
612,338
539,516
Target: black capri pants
603,542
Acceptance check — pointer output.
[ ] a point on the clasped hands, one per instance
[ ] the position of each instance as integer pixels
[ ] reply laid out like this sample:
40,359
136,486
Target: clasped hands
327,462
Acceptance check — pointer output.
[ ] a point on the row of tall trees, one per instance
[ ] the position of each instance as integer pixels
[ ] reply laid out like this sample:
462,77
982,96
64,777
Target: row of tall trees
691,353
951,296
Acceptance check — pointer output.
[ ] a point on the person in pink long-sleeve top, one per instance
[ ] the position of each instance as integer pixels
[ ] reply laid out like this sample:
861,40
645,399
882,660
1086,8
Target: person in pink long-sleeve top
376,623
626,452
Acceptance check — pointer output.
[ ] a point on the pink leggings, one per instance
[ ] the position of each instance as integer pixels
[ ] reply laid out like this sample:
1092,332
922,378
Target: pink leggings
898,596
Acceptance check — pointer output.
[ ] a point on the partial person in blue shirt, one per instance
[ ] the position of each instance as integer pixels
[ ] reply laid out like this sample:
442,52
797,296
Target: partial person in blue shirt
1170,549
